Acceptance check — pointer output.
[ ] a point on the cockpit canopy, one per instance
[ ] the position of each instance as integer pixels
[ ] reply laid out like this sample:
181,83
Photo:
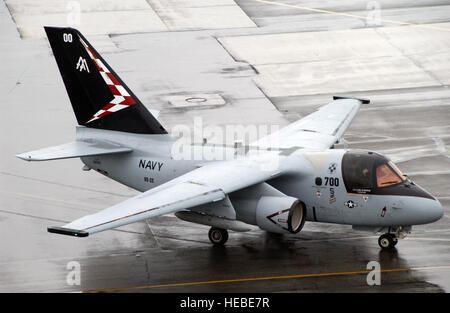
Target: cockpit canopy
366,172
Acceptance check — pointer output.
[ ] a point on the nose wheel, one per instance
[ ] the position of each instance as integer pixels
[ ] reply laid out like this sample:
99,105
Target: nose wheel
387,241
218,236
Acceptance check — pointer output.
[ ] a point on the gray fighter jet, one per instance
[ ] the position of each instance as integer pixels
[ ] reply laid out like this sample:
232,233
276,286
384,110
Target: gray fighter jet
277,183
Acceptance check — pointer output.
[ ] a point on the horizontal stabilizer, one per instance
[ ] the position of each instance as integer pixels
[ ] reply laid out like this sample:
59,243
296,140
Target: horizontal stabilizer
73,150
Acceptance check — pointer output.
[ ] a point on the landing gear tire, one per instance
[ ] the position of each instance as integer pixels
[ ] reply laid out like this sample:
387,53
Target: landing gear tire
387,241
218,236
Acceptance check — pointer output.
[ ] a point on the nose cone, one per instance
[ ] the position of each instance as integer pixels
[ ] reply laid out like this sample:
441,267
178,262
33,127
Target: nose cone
425,208
435,211
428,211
418,211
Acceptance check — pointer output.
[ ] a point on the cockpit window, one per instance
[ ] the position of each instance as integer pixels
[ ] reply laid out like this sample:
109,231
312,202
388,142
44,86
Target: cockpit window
397,170
366,172
386,176
358,172
369,172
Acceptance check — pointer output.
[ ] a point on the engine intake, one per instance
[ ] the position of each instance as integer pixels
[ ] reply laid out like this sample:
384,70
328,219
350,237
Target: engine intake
280,214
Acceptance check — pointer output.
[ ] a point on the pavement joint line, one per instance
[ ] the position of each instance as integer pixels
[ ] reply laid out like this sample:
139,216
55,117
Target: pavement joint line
76,205
237,280
368,18
426,239
64,185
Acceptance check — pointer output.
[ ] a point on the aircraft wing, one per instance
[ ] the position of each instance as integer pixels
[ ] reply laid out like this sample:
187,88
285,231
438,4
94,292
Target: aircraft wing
317,131
74,149
207,184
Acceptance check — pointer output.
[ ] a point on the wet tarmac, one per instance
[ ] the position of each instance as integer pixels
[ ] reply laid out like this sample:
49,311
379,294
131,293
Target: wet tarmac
269,63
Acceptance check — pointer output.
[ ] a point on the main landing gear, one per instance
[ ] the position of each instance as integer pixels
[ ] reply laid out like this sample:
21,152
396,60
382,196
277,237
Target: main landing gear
387,241
218,236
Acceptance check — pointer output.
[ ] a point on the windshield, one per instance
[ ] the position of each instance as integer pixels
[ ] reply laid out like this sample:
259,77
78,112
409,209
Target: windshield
386,176
397,170
366,172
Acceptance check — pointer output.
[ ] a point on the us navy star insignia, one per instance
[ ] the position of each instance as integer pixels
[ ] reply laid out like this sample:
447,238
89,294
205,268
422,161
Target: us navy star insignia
350,204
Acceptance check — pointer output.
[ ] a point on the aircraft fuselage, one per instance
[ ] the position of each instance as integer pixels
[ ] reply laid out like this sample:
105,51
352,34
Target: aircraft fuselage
316,178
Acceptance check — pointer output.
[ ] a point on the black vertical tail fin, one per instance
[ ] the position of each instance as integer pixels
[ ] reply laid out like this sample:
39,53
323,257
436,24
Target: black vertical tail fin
100,99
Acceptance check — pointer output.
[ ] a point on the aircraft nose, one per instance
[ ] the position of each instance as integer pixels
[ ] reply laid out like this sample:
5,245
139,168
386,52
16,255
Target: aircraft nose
428,211
426,208
435,211
418,210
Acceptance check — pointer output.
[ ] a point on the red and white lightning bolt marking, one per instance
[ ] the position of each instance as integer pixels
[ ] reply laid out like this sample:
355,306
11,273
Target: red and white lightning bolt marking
122,98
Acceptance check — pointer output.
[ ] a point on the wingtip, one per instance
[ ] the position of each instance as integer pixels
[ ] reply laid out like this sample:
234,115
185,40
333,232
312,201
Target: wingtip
24,156
67,231
363,101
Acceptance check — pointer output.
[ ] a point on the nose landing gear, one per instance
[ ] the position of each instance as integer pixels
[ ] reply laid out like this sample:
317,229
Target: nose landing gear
390,239
218,236
387,241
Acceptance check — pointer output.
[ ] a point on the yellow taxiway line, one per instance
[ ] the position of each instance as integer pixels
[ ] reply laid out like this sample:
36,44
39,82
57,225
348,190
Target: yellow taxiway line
361,17
238,280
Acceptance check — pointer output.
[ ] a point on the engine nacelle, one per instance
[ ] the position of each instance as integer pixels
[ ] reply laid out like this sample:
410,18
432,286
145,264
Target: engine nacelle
280,214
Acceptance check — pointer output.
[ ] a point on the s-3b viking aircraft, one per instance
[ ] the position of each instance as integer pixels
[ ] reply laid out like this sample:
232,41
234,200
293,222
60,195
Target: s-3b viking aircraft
310,181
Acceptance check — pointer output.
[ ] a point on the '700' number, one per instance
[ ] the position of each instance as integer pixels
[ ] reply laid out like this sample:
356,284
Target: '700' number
331,181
